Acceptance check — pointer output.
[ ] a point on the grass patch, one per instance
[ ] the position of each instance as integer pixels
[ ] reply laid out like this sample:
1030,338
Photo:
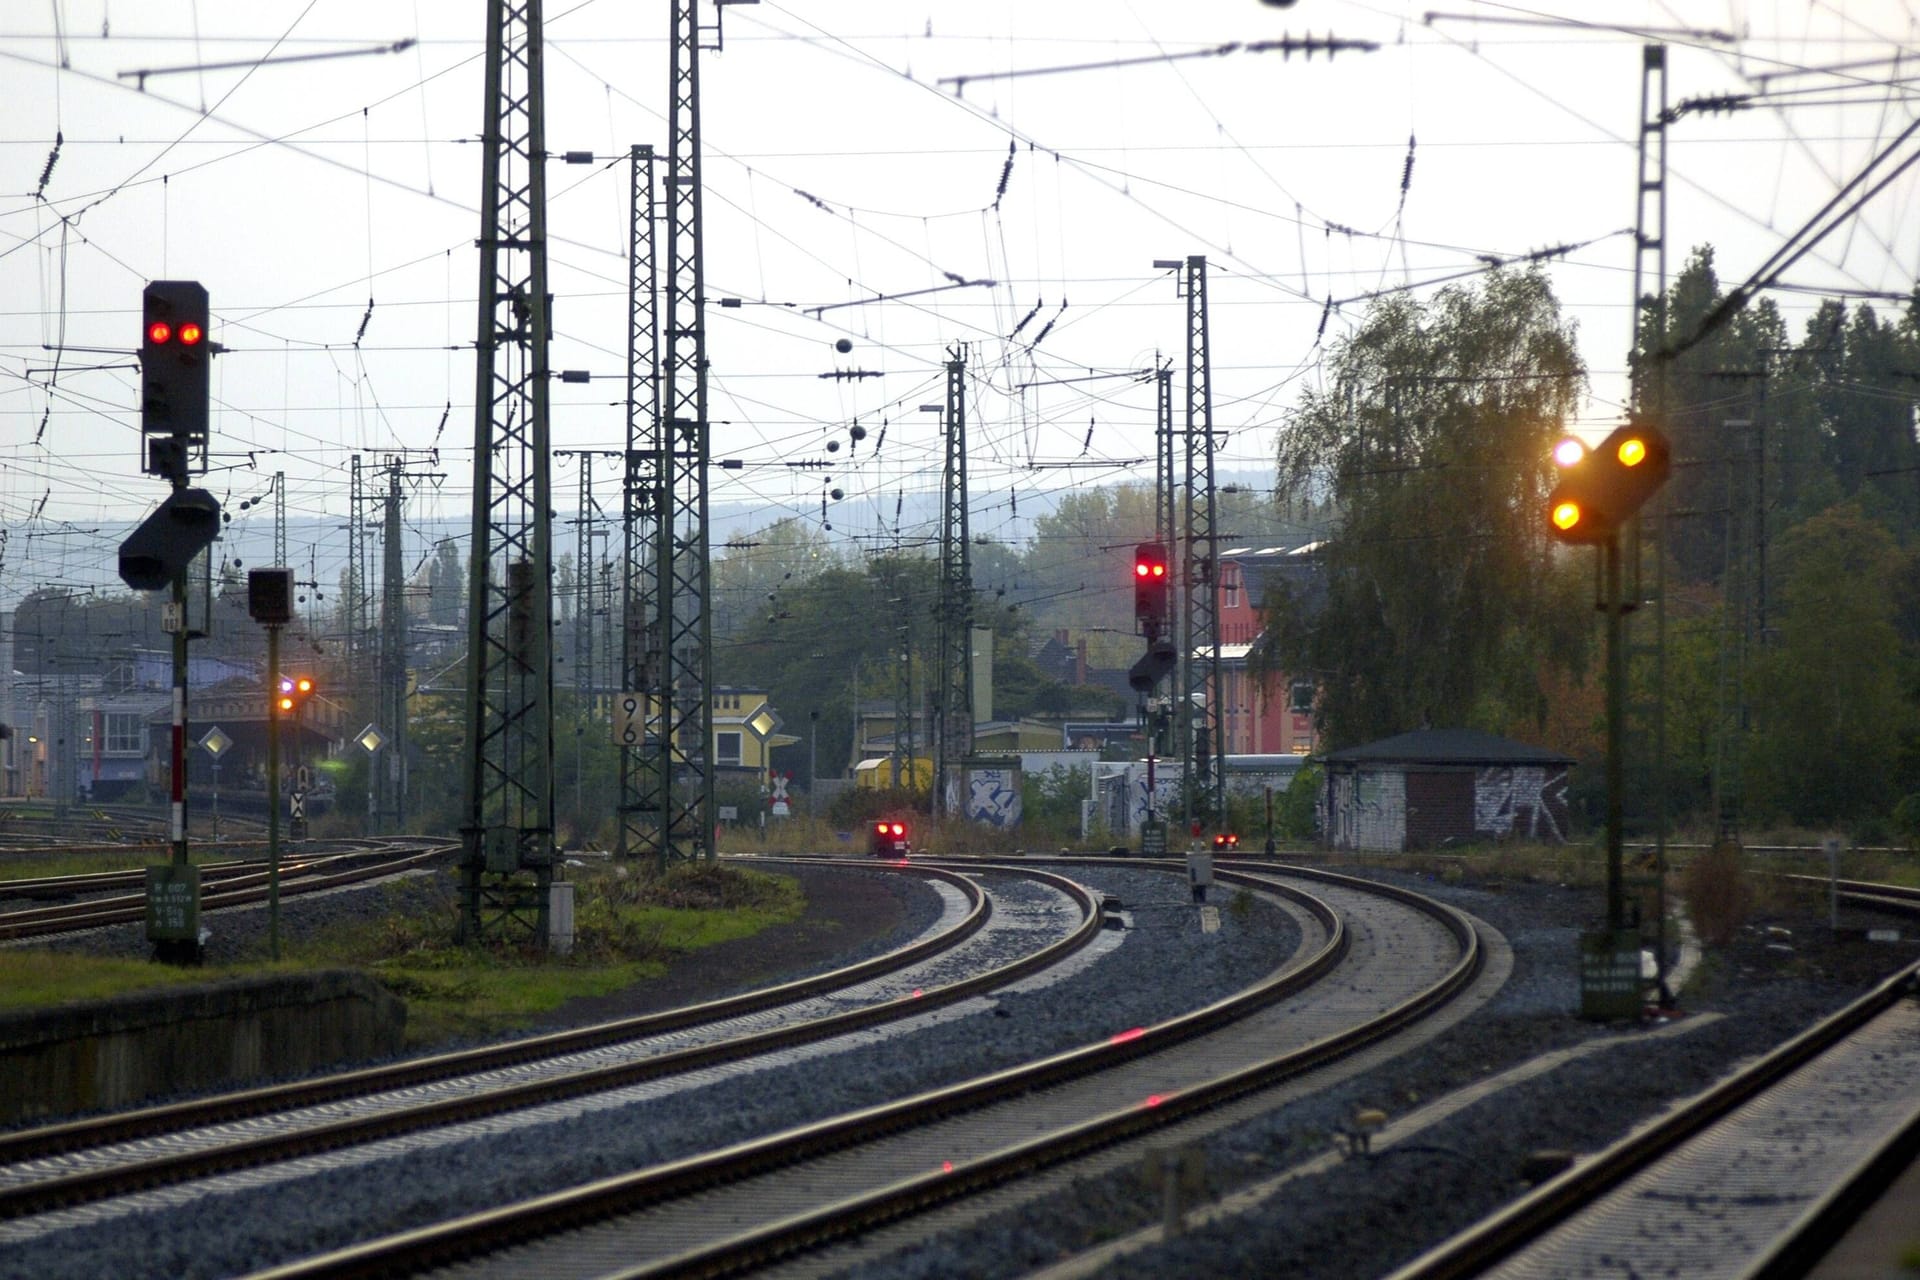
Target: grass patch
37,979
627,929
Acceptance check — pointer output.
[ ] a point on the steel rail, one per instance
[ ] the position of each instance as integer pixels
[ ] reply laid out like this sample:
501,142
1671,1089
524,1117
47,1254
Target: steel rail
492,1230
89,1185
40,922
1795,1251
135,877
775,1241
1480,1246
127,1126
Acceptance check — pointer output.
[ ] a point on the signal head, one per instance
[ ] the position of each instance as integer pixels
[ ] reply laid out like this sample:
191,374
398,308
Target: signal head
1602,490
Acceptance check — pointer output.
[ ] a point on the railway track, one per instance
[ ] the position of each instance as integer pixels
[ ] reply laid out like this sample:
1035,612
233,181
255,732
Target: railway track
59,1167
224,885
1754,1177
40,827
797,1189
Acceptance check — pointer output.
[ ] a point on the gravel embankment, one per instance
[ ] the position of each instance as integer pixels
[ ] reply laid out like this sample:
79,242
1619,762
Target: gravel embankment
1369,1215
1124,986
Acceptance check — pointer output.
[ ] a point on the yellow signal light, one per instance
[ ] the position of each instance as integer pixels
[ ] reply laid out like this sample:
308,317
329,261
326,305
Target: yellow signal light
1632,451
286,704
1566,515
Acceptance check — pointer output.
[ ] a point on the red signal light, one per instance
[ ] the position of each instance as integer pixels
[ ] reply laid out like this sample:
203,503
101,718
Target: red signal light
190,334
1142,570
159,332
899,829
879,828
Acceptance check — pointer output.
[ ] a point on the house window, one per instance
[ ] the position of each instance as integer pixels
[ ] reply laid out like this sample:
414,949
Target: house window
1230,587
124,733
1302,697
726,749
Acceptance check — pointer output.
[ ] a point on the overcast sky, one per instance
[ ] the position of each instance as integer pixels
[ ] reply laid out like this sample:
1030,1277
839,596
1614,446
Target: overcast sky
298,190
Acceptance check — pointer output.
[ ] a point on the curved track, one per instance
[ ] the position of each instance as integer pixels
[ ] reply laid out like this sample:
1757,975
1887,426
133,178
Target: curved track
227,884
1372,959
53,1168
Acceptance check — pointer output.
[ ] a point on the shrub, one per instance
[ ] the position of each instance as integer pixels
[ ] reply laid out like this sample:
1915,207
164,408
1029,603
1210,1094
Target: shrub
1906,820
1717,893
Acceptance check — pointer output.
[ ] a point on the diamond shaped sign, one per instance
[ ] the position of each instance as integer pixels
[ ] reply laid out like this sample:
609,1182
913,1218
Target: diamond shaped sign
216,742
371,739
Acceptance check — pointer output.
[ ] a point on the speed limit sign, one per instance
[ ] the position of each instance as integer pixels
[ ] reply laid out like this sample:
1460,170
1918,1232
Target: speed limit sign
629,724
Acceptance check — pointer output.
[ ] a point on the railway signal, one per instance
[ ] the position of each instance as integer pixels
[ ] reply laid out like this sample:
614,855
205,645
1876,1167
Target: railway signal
1599,491
1154,666
890,839
1150,587
294,692
176,353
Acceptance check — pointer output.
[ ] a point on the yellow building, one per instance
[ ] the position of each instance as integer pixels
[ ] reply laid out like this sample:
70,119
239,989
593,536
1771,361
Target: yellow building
746,729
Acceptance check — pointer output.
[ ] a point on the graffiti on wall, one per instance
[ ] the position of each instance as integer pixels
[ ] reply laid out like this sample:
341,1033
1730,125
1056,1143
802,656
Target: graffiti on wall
1164,799
1368,810
993,797
1510,800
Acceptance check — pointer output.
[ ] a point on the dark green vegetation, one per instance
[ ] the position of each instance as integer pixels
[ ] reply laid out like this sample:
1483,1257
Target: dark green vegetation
1793,521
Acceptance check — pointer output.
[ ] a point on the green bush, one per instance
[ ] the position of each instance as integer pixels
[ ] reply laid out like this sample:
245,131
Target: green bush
1906,820
1050,802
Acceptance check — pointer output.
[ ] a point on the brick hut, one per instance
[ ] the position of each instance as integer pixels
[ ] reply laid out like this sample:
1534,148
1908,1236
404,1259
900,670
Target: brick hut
1434,787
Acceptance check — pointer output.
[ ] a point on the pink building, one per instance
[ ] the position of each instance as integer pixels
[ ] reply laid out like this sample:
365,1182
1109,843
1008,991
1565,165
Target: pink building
1271,716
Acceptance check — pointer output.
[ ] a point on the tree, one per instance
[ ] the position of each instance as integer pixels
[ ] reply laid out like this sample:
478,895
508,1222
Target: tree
1831,712
1442,600
754,570
446,585
1713,405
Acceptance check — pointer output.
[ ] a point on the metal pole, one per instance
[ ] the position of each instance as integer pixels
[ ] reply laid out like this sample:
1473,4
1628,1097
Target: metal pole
273,790
1616,711
178,782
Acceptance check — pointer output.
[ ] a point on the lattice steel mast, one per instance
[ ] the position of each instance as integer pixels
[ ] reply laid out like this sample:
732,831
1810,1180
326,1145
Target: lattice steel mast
1165,521
684,618
353,618
388,766
953,697
507,837
280,519
1645,552
646,760
583,602
1204,780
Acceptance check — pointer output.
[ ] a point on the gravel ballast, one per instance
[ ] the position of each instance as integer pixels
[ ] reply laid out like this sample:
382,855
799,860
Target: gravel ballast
1370,1214
1122,985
